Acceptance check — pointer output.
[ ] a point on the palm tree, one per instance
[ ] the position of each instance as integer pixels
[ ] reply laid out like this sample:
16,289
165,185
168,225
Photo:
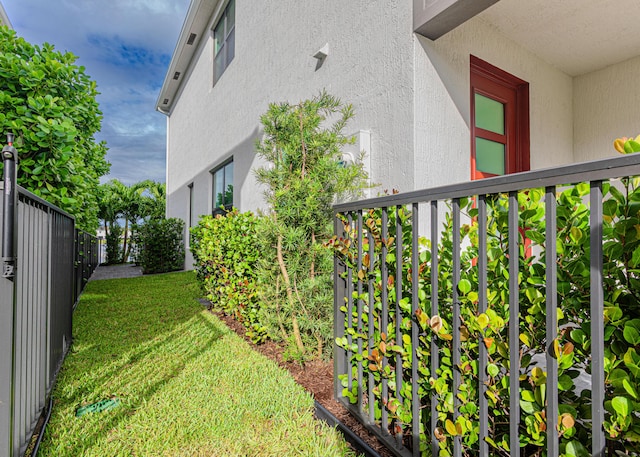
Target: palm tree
109,204
154,199
132,207
143,200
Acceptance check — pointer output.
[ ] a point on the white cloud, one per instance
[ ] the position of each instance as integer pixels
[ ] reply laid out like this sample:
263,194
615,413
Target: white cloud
125,46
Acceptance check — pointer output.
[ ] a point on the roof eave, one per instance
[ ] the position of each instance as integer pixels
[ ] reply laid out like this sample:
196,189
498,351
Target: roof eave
196,22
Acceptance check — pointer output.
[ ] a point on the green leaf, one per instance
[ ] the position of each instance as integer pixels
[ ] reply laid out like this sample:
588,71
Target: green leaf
565,383
493,370
610,208
529,407
576,449
483,321
450,427
622,405
629,388
527,395
617,376
631,146
464,286
615,193
631,334
635,258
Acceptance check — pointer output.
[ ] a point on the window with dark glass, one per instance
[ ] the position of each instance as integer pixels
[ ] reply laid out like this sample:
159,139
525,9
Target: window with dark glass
224,40
223,188
499,121
190,186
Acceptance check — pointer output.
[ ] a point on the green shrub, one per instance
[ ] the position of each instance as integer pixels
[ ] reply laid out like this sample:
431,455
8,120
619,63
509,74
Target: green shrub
226,251
486,331
114,249
305,175
160,245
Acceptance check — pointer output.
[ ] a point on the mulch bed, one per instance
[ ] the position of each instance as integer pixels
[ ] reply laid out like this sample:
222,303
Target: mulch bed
317,378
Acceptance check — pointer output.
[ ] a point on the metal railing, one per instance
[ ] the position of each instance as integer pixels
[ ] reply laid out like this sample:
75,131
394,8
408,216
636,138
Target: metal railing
400,267
87,252
52,263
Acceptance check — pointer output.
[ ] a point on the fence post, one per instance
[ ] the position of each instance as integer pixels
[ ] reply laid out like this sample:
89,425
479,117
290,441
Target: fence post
7,301
339,294
6,363
9,158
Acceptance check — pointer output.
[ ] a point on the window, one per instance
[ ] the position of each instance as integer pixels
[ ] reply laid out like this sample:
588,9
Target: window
223,187
224,42
190,186
499,121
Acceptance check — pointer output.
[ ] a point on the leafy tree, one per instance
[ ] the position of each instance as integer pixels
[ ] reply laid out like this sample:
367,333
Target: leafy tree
49,103
143,200
302,144
161,245
154,198
131,198
109,205
114,249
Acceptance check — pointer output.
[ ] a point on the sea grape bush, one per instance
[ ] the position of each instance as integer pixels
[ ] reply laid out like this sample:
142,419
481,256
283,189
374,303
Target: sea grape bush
225,250
488,330
160,246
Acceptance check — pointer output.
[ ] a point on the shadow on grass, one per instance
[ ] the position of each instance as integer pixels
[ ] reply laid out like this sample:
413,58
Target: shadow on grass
130,348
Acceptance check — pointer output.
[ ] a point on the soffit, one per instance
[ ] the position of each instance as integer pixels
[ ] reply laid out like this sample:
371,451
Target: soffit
575,36
196,22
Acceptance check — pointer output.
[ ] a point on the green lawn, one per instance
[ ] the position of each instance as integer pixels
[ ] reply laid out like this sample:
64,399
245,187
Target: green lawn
187,385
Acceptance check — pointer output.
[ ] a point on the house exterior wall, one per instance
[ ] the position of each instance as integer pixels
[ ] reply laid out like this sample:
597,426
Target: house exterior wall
442,102
273,62
606,107
411,97
4,19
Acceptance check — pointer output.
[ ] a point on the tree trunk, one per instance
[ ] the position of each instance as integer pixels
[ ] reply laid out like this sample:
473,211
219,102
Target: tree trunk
124,247
285,335
287,284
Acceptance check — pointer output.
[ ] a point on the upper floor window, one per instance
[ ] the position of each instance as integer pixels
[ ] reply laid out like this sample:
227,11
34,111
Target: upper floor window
224,40
223,187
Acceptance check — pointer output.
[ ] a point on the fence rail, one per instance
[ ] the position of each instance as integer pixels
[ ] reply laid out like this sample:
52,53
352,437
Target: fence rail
53,262
442,294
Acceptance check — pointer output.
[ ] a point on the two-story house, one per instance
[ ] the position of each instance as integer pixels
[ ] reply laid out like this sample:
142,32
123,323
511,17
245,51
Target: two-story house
444,90
4,19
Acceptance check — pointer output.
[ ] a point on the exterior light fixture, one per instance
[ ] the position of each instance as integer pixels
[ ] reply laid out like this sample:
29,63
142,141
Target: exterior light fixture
322,53
176,75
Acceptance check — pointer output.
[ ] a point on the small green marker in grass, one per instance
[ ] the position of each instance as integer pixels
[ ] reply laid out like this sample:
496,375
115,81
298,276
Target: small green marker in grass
97,407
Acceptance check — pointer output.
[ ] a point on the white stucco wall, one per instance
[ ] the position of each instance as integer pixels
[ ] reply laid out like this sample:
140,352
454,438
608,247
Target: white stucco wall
442,100
369,65
411,95
606,107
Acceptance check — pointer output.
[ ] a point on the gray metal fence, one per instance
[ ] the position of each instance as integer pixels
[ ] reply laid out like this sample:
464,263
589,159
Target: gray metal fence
400,270
53,262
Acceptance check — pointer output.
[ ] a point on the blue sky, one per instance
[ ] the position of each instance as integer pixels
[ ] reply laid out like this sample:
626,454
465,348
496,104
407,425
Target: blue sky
125,46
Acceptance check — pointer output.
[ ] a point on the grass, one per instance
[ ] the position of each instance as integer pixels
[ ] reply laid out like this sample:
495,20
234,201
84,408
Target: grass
187,385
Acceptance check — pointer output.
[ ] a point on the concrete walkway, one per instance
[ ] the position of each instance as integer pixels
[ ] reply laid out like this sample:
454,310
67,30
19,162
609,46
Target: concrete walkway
127,270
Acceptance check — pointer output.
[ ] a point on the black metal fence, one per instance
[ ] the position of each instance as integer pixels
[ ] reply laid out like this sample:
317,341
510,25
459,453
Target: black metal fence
53,262
442,294
87,251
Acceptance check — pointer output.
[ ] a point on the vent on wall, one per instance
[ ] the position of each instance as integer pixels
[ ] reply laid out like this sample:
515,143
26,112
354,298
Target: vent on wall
191,39
165,101
176,75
